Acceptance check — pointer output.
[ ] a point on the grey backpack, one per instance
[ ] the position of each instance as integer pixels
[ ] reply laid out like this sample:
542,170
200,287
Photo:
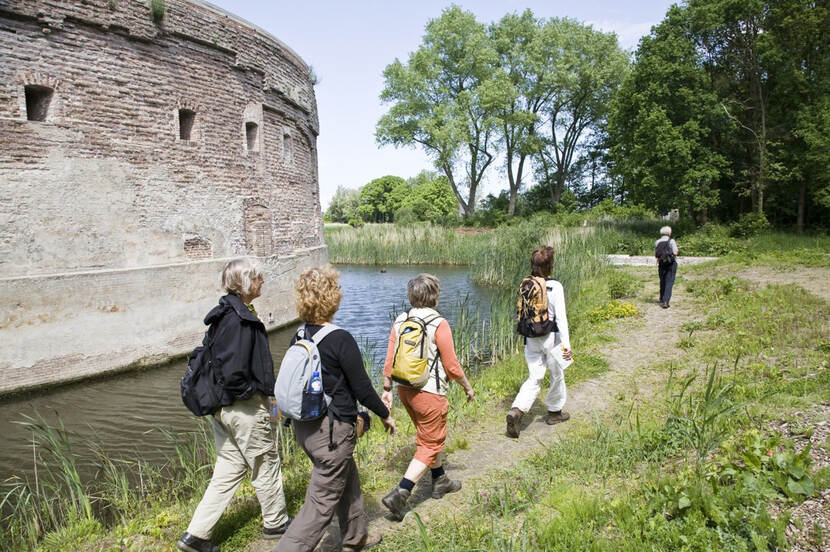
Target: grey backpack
301,360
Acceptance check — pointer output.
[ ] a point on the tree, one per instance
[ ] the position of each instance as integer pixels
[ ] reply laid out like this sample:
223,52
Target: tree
380,198
586,68
728,32
437,102
522,87
431,199
797,53
664,124
343,206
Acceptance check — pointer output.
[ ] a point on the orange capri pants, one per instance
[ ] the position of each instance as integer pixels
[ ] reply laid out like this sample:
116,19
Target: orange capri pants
429,414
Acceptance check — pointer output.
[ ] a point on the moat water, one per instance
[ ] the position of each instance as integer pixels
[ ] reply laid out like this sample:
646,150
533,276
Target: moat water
122,414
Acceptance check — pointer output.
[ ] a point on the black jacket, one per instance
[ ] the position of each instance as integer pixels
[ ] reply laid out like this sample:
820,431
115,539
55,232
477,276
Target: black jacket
241,350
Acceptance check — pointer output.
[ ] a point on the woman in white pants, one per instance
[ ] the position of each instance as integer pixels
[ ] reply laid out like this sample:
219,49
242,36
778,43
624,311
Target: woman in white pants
539,352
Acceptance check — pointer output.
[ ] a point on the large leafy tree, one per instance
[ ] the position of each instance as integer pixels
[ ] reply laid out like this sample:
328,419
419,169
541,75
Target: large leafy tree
431,197
728,34
380,198
798,53
522,80
664,124
343,206
585,68
437,101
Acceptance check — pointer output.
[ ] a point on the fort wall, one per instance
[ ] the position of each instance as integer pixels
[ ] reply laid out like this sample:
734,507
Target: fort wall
139,156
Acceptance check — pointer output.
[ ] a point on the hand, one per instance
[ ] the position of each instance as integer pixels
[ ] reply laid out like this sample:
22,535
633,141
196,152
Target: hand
567,354
470,393
389,425
386,398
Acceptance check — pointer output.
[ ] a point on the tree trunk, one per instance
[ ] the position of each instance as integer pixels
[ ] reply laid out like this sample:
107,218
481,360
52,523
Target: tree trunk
802,203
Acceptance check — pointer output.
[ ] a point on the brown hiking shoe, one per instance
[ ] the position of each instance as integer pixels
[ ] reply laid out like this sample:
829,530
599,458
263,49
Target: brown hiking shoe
369,542
557,417
396,502
443,485
514,417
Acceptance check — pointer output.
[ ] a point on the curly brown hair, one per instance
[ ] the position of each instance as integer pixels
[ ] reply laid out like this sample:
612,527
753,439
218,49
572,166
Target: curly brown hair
318,294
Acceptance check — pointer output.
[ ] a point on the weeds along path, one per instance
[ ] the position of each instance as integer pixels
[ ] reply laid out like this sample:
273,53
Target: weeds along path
630,358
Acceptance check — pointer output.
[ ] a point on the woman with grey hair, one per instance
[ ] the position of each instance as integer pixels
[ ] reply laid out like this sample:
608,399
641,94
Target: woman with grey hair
427,405
242,428
665,254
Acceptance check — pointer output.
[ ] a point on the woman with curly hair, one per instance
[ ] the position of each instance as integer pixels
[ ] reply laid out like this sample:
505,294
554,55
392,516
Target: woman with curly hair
334,488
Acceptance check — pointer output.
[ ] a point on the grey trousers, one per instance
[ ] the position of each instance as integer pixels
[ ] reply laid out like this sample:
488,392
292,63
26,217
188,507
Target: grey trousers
334,488
244,440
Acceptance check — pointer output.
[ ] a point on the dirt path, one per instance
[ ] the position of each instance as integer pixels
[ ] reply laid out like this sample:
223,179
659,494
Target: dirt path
629,376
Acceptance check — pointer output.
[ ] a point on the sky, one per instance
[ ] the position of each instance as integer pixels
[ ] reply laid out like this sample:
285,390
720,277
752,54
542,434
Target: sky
349,43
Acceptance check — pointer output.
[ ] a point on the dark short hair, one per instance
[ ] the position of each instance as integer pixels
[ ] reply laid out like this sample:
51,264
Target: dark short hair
541,261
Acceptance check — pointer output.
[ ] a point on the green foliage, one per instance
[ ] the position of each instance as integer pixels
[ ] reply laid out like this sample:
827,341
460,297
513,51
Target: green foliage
380,198
157,10
344,205
438,101
748,225
612,309
621,285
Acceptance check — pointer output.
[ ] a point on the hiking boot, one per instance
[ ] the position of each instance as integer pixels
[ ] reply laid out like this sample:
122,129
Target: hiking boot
367,543
513,419
189,543
664,304
443,485
396,502
557,417
276,532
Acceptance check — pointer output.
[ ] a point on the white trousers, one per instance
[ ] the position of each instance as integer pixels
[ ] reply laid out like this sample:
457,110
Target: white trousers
538,362
244,440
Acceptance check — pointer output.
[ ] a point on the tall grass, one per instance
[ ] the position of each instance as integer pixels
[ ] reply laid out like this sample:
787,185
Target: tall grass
61,492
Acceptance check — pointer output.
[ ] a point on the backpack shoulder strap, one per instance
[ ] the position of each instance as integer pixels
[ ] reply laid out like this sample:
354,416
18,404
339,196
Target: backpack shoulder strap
323,333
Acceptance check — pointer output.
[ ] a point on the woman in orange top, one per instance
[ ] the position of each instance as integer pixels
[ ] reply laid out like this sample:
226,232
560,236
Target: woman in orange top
427,406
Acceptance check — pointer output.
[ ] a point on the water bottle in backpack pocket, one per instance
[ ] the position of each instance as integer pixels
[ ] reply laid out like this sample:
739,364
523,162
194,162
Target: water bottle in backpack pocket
314,404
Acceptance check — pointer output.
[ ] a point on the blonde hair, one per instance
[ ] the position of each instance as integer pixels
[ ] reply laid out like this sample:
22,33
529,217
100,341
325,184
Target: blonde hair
238,275
423,290
318,294
665,231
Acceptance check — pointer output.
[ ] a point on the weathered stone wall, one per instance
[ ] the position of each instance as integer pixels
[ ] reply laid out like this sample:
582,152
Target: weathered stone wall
114,223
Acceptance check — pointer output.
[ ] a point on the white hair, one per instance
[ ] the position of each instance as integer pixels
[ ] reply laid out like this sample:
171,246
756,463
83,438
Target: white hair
665,231
238,275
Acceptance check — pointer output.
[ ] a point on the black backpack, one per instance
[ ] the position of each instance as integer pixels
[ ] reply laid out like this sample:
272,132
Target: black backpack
202,384
664,253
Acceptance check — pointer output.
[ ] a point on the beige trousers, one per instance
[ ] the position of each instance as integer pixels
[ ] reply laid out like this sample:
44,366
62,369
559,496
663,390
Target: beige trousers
244,440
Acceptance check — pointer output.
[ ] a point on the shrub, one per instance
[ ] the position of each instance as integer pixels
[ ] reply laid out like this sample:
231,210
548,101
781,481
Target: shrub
749,224
405,216
356,223
157,9
620,285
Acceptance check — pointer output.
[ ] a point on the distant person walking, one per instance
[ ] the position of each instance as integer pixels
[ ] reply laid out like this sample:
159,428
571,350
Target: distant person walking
245,439
544,323
421,358
665,253
334,488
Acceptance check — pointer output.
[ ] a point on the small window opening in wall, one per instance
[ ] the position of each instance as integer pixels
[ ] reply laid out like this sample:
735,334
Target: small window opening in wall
251,135
38,99
287,150
186,119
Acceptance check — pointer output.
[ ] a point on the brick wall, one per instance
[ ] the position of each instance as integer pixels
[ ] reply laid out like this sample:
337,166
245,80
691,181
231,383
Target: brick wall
105,187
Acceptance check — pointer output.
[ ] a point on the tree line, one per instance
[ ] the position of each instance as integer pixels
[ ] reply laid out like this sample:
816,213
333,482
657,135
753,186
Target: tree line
723,111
